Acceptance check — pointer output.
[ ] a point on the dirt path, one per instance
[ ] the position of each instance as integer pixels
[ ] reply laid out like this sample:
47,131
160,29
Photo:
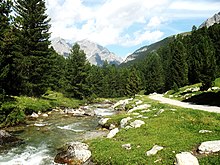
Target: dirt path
159,97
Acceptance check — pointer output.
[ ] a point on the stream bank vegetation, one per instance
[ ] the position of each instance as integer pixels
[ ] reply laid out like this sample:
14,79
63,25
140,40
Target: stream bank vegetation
176,129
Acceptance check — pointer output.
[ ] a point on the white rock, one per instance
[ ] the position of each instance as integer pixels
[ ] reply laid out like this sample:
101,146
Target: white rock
34,115
145,111
112,126
124,122
112,133
45,115
137,123
126,146
80,151
205,131
209,147
122,102
154,150
39,124
103,121
186,158
138,102
140,107
76,112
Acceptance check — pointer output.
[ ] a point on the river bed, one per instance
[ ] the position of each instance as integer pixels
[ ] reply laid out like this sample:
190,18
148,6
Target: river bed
43,136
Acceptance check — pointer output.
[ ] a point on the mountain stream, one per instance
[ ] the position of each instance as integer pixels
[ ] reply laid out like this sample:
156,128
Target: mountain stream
43,136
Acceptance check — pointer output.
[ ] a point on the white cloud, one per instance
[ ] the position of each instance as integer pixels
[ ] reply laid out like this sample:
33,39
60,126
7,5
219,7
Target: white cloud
113,21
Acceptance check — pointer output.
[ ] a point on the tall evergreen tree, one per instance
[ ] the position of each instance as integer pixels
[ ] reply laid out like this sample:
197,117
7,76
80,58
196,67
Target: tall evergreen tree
8,58
178,68
154,74
76,74
133,85
33,24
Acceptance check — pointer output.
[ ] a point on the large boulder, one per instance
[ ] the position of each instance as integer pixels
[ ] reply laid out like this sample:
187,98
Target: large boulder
76,153
186,158
6,138
209,147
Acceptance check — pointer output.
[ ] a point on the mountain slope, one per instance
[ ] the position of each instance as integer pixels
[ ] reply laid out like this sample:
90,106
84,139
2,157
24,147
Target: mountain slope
61,46
211,21
143,51
96,54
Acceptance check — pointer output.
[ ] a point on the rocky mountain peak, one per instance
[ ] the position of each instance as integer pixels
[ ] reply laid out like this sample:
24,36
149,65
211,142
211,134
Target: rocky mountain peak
211,21
95,53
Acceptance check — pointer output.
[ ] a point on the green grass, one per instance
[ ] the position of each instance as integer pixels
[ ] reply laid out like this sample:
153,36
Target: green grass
217,82
177,131
187,91
13,112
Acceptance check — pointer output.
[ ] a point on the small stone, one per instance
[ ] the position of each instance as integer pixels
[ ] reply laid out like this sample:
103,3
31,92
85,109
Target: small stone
103,121
124,122
209,147
137,123
128,127
126,146
112,126
112,133
140,107
45,115
186,158
154,150
205,131
34,115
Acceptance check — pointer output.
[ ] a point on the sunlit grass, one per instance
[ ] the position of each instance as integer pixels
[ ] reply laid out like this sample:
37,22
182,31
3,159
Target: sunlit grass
176,129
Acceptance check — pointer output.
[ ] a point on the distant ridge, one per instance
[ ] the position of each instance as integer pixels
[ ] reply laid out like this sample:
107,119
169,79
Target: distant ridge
95,53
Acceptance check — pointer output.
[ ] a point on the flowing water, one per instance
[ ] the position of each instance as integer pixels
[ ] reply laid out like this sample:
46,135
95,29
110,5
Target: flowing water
45,135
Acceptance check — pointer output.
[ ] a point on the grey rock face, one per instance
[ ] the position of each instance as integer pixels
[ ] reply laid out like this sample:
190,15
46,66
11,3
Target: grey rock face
211,21
95,54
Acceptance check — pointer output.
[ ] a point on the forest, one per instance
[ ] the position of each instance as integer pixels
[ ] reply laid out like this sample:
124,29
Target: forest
30,67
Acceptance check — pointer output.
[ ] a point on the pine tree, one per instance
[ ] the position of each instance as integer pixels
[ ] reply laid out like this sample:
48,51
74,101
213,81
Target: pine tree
33,24
76,74
8,59
154,74
133,82
178,68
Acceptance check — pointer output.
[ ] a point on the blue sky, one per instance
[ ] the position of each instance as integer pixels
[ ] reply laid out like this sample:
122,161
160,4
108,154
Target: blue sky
126,25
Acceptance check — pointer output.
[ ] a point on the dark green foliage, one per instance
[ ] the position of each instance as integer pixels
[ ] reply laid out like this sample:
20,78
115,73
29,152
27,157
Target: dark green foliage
33,25
76,74
154,74
178,68
133,82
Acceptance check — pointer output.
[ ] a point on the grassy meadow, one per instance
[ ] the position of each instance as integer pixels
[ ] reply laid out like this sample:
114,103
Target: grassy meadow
176,129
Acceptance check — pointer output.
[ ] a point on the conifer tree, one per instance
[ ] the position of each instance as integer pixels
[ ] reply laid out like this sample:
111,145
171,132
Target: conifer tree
154,74
76,74
178,68
133,85
33,24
